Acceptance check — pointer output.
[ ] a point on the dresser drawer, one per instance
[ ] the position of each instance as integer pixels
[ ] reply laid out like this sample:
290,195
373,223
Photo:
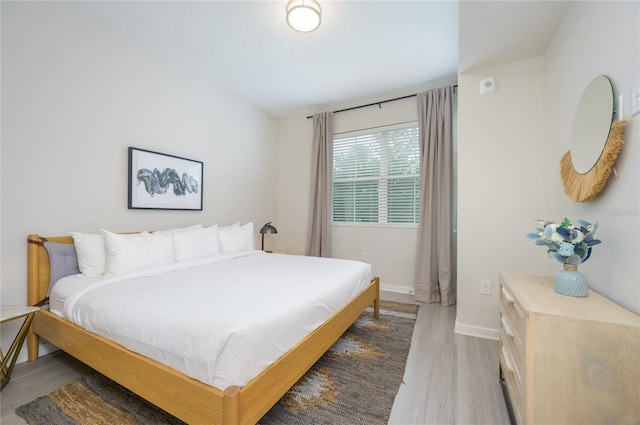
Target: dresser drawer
510,308
515,390
512,344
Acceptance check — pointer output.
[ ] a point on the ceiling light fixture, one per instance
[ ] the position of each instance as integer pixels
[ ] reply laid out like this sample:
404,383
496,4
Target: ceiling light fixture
304,15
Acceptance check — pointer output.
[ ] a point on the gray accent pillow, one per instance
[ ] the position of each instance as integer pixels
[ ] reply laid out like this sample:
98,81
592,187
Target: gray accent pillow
63,261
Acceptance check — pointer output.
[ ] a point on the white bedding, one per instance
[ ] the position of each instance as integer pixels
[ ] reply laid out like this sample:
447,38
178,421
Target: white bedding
221,320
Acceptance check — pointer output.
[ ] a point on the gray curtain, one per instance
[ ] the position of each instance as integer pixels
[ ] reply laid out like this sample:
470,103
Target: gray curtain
434,251
319,232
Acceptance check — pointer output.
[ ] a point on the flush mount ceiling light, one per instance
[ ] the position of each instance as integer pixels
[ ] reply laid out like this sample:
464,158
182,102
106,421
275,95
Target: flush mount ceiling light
303,15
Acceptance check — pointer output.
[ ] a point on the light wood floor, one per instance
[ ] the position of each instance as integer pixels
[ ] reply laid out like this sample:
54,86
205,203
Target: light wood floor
449,379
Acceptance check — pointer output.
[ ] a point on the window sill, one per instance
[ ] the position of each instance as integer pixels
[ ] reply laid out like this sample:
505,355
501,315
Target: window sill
377,225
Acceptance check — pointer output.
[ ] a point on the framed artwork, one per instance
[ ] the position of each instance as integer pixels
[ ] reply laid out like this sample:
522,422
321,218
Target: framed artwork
165,182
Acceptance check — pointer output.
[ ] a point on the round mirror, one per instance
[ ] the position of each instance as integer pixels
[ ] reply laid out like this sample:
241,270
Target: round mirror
595,143
591,124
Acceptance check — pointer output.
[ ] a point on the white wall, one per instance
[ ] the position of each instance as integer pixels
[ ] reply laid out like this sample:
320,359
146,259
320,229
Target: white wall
598,38
74,96
390,250
510,145
294,181
499,173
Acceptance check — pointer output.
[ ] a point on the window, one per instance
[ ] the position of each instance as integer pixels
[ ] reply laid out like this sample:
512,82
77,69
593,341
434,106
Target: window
376,176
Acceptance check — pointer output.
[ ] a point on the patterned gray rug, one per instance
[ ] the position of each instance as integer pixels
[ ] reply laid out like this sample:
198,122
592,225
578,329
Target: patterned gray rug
354,383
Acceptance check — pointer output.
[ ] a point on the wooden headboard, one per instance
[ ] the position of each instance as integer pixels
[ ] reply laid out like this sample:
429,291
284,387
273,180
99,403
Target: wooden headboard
38,266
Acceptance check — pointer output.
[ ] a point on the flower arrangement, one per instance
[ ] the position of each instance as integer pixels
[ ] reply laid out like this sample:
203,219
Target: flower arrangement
565,242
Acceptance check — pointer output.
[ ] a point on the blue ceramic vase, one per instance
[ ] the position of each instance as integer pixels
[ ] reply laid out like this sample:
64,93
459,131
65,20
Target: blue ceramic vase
571,282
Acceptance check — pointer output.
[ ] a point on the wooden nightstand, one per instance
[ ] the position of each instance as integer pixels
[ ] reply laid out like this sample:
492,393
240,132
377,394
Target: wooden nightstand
8,313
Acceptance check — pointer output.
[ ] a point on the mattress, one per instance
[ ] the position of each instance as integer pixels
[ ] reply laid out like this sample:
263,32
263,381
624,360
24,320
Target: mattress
220,320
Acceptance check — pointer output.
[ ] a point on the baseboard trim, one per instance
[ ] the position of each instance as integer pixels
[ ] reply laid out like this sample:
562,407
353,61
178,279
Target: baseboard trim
397,289
477,331
399,294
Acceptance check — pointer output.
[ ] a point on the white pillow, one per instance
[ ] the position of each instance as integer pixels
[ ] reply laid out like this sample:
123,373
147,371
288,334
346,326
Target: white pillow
180,229
236,238
196,243
91,253
126,253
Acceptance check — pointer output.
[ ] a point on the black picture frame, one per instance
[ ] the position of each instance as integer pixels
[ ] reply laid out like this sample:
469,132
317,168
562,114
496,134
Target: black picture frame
161,181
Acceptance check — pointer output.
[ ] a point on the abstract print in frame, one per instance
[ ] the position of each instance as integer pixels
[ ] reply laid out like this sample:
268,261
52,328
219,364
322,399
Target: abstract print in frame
166,182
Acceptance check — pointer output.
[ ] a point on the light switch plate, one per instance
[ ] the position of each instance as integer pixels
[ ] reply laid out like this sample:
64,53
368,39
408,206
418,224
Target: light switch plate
485,287
635,100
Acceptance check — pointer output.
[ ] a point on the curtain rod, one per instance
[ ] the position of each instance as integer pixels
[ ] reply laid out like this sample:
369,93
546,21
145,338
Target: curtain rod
455,86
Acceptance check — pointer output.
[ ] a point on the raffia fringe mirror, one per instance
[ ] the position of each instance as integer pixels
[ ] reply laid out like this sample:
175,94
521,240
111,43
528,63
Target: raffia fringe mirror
595,143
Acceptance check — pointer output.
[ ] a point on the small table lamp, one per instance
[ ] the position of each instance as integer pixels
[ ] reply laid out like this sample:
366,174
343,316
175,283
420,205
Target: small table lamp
267,228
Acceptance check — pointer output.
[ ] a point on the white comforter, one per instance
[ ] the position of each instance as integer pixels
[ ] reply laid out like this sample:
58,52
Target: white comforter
220,320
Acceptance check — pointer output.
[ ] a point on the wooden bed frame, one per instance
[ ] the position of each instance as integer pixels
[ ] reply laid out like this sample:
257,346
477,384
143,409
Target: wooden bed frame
186,398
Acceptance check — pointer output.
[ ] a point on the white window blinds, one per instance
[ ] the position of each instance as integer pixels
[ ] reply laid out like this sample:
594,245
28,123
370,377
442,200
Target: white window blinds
376,176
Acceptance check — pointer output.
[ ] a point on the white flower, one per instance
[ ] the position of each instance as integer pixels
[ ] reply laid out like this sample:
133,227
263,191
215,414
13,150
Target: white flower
579,237
555,236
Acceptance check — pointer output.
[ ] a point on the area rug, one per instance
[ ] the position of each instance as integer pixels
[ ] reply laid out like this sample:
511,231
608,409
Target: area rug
354,383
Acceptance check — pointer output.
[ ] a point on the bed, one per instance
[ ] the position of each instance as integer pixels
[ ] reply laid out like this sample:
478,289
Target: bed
189,399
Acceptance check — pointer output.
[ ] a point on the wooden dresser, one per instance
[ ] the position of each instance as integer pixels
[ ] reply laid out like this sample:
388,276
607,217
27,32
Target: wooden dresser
567,360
